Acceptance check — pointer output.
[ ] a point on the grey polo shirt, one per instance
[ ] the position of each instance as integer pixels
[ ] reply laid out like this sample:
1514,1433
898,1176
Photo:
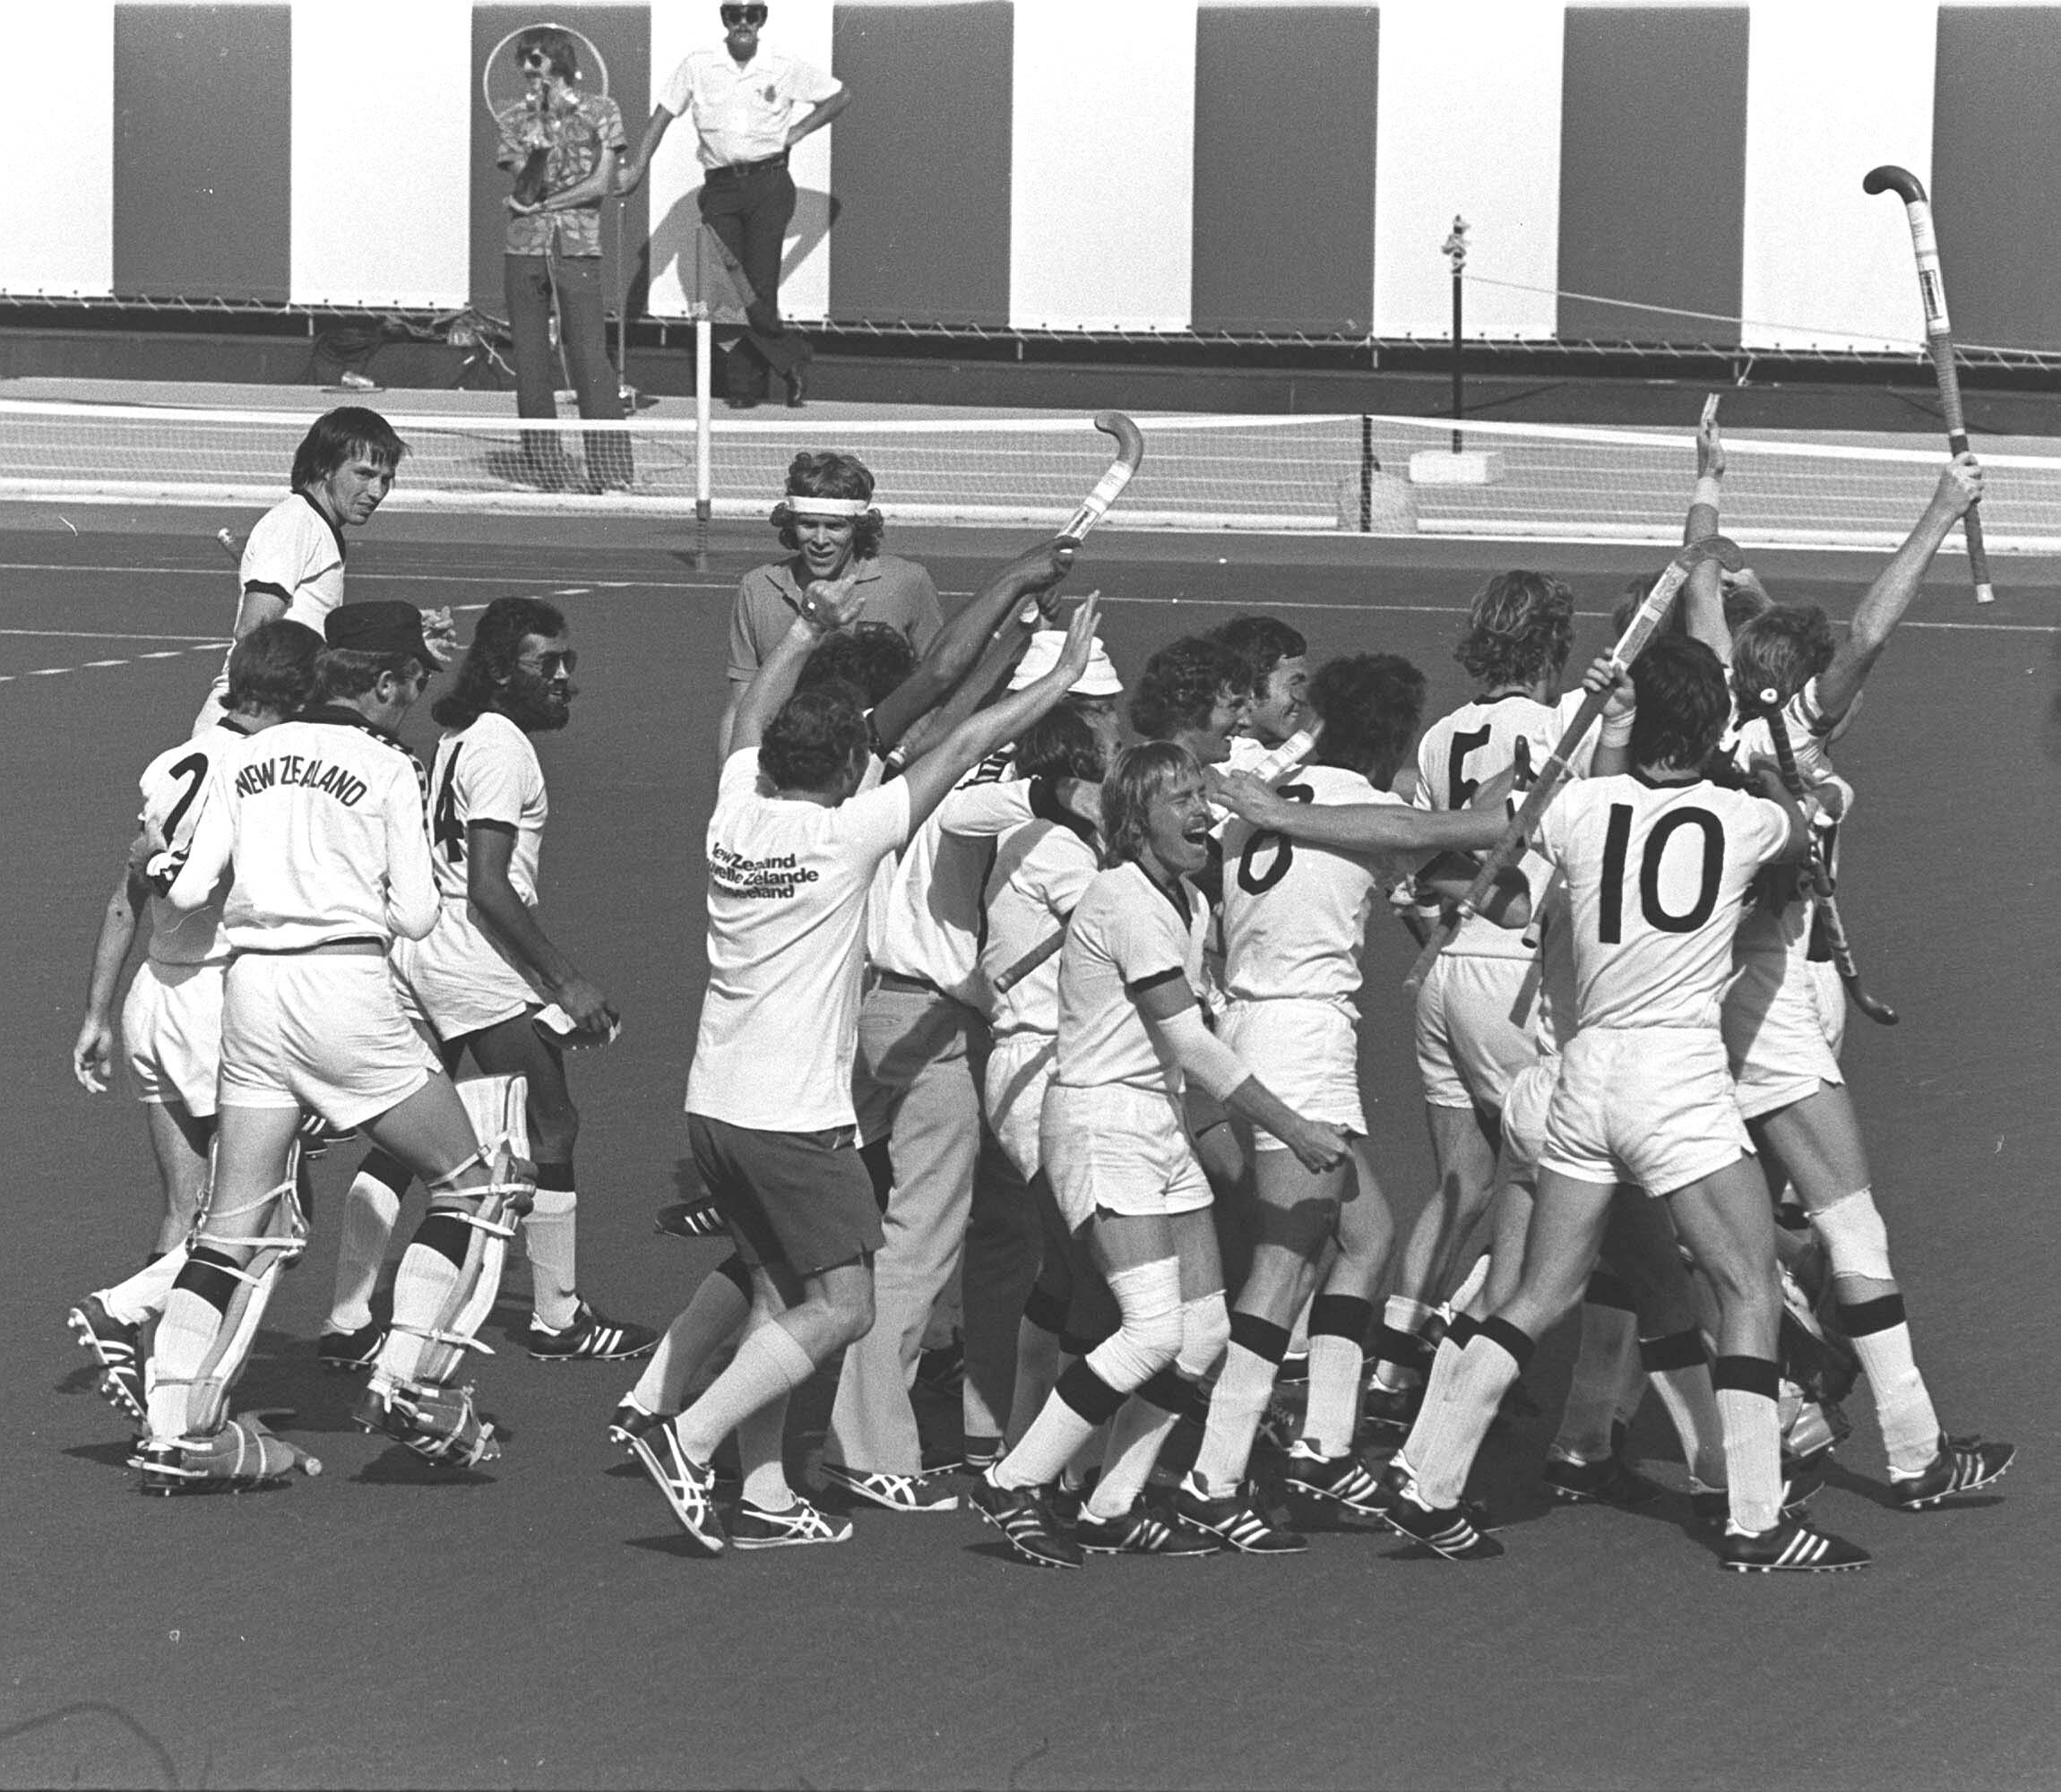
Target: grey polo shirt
898,592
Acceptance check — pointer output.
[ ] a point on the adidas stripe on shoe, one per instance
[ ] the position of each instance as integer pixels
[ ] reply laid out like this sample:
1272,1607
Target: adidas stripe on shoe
1789,1548
589,1337
1963,1465
1019,1515
1345,1479
1236,1520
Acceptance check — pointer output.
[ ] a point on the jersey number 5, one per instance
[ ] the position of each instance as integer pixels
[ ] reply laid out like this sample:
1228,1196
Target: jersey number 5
447,830
1257,883
1616,844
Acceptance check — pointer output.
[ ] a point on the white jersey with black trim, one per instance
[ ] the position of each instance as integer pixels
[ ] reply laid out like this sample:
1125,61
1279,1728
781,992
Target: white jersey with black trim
1778,922
173,787
929,927
295,554
324,821
787,898
1481,740
1127,935
487,772
1294,915
1657,875
1042,869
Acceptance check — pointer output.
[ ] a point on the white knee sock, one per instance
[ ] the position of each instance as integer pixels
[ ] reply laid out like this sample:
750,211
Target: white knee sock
1038,1363
1459,1406
369,1211
1902,1403
1610,1344
762,1444
424,1289
1136,1435
548,1240
1753,1457
770,1365
141,1296
1053,1439
1236,1405
185,1335
1407,1317
708,1322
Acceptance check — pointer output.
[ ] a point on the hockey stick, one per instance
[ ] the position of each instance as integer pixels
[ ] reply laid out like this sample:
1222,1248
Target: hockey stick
1818,874
1129,454
231,545
1939,340
1646,623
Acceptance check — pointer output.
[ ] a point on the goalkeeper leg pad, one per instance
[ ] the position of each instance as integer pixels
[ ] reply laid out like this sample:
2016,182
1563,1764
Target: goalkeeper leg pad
242,1453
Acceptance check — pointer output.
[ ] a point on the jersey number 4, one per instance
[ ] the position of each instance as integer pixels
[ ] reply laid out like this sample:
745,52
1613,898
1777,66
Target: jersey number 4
446,831
1617,848
1258,882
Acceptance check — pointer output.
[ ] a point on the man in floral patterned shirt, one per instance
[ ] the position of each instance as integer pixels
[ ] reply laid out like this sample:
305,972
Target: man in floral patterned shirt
564,145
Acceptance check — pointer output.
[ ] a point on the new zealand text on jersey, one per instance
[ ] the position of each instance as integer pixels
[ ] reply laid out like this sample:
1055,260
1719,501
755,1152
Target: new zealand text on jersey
290,768
756,879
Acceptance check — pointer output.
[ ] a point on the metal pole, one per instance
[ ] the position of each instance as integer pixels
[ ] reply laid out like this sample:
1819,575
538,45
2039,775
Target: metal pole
1366,475
705,361
1455,248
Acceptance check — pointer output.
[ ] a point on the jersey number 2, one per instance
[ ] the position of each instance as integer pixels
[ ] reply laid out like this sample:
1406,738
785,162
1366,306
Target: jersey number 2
1617,846
1258,883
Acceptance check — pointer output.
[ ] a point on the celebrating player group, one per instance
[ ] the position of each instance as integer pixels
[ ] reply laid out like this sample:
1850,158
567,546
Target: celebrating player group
1035,998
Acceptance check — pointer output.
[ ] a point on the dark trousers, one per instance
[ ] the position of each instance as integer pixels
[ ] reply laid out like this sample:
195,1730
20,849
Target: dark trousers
749,214
527,282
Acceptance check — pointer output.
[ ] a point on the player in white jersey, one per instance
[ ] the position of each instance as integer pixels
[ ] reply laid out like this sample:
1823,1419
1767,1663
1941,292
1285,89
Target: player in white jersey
1041,869
489,981
1295,919
1277,674
1784,1014
1473,1012
1115,1145
770,1113
322,831
1658,863
171,1023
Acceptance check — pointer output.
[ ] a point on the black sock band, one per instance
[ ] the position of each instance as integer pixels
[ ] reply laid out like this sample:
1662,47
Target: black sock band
1498,1331
1606,1290
208,1273
1170,1392
557,1178
732,1270
1340,1315
1089,1394
389,1172
444,1233
1261,1335
1676,1350
1746,1375
1460,1329
1046,1310
1865,1316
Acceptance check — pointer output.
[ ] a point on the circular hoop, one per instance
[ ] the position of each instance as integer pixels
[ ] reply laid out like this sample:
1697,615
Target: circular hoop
588,50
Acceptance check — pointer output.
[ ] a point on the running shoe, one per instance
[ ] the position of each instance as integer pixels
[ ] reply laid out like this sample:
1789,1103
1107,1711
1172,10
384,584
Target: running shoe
688,1486
897,1493
753,1527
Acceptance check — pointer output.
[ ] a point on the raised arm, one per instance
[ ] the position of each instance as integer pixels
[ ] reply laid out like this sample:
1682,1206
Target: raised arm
1897,586
975,739
958,645
825,608
1704,595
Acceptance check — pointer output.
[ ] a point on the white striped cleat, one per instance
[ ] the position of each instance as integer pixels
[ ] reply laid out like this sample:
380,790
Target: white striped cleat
1789,1548
1963,1466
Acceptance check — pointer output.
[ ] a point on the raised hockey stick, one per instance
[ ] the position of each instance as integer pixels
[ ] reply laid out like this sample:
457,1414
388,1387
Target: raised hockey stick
1645,622
1819,874
1129,454
1939,340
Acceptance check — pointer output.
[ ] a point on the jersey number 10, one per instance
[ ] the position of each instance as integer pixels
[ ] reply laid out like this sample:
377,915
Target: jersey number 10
1616,846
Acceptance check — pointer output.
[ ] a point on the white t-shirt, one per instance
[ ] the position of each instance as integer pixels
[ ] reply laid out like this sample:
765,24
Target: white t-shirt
174,785
1294,915
1657,875
1479,741
1556,1017
929,927
787,884
1041,870
1127,935
1778,923
743,109
294,554
325,820
487,772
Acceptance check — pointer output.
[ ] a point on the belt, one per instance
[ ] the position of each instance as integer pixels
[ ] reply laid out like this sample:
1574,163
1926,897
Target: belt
737,170
369,945
911,985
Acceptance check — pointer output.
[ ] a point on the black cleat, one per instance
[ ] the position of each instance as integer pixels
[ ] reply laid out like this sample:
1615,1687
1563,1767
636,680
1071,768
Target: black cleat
349,1351
1451,1531
1141,1532
690,1220
1607,1483
1789,1548
1344,1479
1236,1519
1391,1409
1019,1515
1963,1465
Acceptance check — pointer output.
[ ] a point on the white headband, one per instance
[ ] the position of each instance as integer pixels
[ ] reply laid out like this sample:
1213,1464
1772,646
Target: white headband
802,505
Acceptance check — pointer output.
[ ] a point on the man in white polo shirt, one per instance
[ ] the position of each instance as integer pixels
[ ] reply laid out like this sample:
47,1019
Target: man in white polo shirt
769,1115
751,106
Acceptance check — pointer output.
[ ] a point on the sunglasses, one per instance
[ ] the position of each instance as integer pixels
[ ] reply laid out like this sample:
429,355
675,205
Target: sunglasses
744,16
534,59
549,665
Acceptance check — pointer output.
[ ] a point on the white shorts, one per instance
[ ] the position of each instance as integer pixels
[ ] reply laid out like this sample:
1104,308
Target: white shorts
322,1031
1651,1105
172,1031
1307,1051
460,979
1119,1148
1474,1027
1781,1033
1525,1104
1019,1069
